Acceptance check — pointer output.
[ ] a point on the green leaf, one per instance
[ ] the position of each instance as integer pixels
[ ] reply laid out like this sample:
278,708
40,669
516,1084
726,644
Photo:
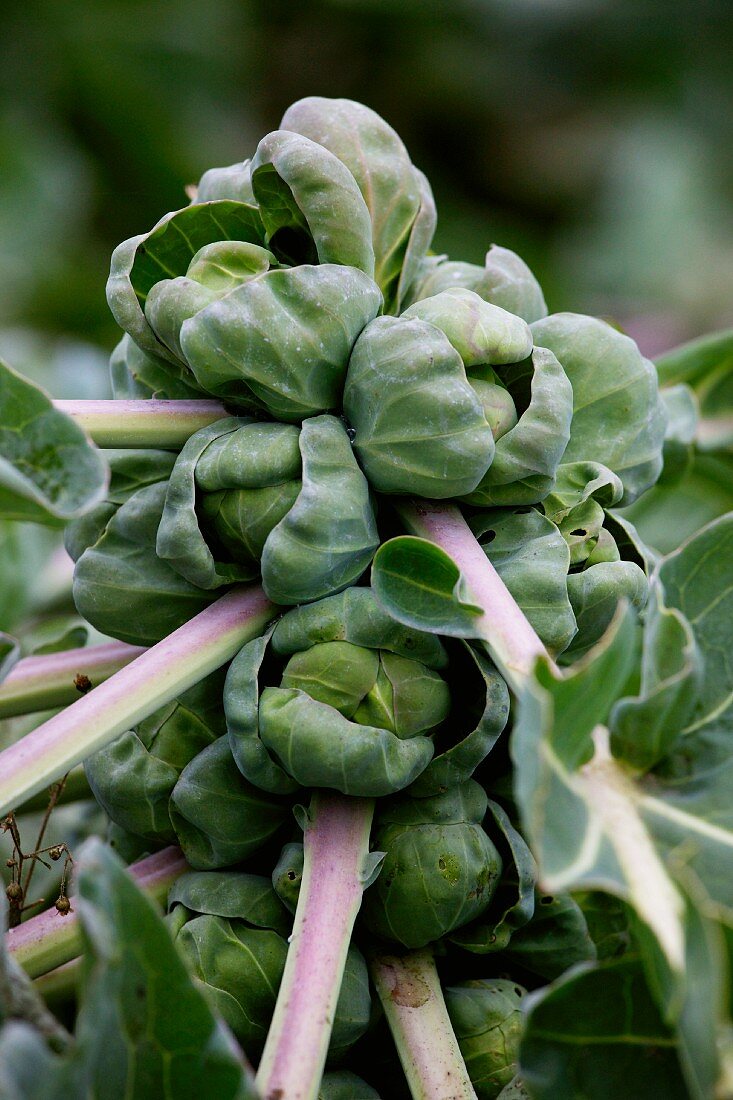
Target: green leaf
310,203
219,818
328,537
421,585
595,594
618,418
697,360
235,894
481,333
505,280
597,1032
165,253
683,413
123,588
282,341
392,189
532,558
556,938
419,425
232,182
528,455
49,471
137,374
144,1028
344,1085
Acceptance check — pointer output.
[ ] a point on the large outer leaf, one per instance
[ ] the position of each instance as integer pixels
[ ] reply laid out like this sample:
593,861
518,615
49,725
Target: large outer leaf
165,253
526,460
618,418
380,164
505,280
144,1028
327,539
123,588
49,471
419,425
532,558
283,339
596,1032
310,203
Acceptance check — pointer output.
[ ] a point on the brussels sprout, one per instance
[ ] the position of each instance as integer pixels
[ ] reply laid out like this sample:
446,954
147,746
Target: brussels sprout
355,705
440,869
481,333
133,777
487,1018
290,501
218,817
135,373
343,1085
504,280
397,195
288,875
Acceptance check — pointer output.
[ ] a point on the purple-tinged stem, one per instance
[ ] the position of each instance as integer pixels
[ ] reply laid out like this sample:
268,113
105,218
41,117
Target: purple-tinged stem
55,679
336,846
139,424
50,940
509,637
412,998
158,675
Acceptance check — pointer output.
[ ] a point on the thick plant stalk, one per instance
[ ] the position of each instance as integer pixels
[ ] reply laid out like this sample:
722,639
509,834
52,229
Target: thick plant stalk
139,424
510,639
158,675
50,940
410,992
55,679
336,843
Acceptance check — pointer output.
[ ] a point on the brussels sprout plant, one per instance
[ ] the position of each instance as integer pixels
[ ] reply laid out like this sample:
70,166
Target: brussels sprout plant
417,746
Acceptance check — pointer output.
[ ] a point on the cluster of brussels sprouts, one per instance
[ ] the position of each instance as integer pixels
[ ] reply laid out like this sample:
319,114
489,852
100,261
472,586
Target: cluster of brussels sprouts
299,289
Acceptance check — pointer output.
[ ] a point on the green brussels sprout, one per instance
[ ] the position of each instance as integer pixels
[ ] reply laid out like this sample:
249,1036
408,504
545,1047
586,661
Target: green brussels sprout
481,333
487,1019
350,701
206,302
137,374
440,869
133,777
504,280
218,817
288,875
619,419
290,502
344,1085
397,194
231,930
120,584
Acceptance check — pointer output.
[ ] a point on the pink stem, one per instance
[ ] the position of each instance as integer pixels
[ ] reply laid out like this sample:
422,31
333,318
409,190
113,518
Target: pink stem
336,845
49,940
55,679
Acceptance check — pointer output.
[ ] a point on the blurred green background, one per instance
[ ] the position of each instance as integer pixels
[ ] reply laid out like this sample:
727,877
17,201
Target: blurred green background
592,137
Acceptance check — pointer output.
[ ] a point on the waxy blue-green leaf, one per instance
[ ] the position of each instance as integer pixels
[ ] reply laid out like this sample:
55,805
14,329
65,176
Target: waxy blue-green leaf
419,584
419,426
49,471
344,1085
683,414
481,333
486,1015
231,894
440,869
311,205
144,1028
532,558
132,778
597,1032
595,593
618,417
231,182
282,341
165,253
136,374
504,280
527,457
464,752
402,219
556,938
219,818
513,904
123,588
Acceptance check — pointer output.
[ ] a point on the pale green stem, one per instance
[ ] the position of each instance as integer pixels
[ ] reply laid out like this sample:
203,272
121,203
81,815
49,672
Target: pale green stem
55,679
410,992
140,424
336,847
509,637
155,677
50,940
75,789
